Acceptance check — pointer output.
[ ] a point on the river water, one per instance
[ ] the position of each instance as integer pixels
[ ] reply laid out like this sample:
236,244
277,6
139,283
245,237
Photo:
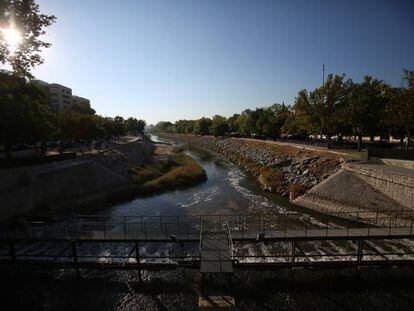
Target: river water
227,191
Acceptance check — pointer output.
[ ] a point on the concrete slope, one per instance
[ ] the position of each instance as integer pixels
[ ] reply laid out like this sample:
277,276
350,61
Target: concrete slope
61,184
362,187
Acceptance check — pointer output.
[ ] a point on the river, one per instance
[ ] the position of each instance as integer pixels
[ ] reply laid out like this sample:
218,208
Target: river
227,191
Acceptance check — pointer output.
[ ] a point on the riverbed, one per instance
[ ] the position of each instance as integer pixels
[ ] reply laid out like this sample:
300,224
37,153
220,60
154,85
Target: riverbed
227,191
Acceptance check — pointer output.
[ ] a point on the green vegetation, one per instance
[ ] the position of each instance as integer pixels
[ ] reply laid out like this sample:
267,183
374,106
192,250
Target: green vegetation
341,107
25,114
26,118
177,172
24,15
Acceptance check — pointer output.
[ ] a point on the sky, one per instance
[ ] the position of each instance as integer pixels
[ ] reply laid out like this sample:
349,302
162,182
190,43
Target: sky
181,59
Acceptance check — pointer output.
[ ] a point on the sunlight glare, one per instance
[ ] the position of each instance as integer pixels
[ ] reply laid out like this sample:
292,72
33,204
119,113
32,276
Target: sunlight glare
12,37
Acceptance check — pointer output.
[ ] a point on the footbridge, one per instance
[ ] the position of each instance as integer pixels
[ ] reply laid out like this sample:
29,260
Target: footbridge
210,243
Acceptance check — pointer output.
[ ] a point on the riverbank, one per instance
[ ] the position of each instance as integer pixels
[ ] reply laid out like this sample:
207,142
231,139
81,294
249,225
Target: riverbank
168,169
289,171
73,183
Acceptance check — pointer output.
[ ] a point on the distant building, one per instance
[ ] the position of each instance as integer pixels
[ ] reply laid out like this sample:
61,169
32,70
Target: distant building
60,96
80,100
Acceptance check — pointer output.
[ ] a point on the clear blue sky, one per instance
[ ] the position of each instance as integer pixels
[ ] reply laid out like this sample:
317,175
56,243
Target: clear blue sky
173,59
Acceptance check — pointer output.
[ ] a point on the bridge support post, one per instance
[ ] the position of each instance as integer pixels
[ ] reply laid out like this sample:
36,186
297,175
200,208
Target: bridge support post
202,284
293,245
360,255
138,261
75,257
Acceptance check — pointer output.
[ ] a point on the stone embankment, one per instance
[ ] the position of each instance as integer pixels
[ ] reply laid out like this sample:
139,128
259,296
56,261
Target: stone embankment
70,183
287,170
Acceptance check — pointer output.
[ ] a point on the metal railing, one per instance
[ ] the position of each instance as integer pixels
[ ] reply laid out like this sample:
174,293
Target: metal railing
190,226
231,245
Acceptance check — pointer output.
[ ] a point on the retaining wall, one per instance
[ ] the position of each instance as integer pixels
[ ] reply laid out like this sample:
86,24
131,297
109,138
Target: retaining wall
362,187
66,183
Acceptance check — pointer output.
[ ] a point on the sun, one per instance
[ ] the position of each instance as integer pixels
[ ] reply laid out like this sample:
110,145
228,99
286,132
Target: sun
12,37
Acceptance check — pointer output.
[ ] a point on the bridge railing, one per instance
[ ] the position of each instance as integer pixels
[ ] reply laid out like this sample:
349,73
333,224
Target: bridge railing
350,257
94,252
188,226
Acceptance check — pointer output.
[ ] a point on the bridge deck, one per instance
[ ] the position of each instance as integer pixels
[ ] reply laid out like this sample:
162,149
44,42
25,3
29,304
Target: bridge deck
215,254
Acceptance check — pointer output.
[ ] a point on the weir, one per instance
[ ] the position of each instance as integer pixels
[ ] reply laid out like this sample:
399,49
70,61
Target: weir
209,243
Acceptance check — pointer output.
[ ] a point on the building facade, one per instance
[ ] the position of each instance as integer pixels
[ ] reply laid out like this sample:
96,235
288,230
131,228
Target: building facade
60,96
80,100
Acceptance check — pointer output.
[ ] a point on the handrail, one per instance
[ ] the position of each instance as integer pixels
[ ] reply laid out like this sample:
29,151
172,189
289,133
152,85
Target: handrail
201,236
230,241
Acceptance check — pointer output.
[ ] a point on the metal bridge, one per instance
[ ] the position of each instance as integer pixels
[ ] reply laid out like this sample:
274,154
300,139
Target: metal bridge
211,243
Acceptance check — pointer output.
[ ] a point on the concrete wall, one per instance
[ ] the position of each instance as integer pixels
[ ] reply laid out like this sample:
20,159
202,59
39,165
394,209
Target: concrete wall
362,187
55,187
395,182
66,183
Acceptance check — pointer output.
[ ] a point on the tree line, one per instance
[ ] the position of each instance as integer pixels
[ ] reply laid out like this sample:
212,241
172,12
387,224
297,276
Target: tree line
340,107
26,118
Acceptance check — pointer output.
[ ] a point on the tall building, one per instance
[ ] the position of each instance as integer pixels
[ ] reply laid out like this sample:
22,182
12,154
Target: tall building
60,96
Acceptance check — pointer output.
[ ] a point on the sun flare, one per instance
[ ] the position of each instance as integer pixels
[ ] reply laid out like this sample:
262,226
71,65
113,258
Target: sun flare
12,37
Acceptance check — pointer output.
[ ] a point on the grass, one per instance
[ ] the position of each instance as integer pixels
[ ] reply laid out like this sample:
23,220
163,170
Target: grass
271,178
177,172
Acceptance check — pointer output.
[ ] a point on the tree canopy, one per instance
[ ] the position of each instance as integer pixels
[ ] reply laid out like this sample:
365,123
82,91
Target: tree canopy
340,107
24,17
25,115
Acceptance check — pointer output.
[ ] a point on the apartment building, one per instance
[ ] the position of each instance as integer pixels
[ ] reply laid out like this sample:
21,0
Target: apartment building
60,96
80,100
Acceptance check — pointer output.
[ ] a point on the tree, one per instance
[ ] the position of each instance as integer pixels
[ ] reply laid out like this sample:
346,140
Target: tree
302,120
233,124
219,126
328,102
135,126
23,16
400,109
25,115
119,126
202,126
366,106
77,126
278,115
82,107
246,123
163,127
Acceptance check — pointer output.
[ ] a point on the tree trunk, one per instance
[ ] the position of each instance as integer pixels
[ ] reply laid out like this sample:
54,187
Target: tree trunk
408,140
329,141
371,138
359,142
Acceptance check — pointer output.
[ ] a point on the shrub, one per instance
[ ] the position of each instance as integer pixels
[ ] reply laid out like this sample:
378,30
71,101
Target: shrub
178,171
270,178
296,190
